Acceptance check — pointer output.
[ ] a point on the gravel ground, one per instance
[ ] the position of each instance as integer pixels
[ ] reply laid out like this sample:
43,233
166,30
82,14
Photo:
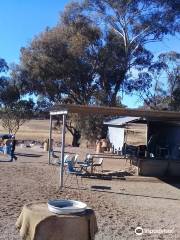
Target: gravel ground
127,204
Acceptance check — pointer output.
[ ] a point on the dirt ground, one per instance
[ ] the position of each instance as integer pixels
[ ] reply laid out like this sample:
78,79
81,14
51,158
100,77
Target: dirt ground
120,205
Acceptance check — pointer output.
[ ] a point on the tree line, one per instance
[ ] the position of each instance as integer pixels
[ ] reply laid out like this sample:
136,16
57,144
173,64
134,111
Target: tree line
95,53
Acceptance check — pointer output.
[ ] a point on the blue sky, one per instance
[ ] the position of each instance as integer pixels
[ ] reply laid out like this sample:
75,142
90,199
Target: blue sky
21,20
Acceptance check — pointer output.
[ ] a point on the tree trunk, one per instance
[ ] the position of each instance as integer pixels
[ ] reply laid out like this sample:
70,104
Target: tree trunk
75,134
76,138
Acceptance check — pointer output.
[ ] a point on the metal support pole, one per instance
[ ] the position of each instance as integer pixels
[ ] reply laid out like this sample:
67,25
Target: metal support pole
62,151
147,133
50,142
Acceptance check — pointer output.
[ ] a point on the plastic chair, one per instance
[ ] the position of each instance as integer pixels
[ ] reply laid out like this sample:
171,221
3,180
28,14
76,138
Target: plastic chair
72,171
66,159
98,163
87,163
89,158
75,159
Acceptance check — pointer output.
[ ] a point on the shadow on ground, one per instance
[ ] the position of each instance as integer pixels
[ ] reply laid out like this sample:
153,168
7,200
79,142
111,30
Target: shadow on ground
107,189
173,181
28,155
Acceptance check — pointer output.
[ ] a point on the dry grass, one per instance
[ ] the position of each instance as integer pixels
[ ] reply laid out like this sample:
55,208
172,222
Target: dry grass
37,130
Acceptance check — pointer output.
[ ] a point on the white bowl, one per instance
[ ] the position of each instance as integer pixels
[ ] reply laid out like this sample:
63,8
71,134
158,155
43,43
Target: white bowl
66,206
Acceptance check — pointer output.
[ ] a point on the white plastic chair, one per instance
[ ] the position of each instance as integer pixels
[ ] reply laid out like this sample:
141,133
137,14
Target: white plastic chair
98,163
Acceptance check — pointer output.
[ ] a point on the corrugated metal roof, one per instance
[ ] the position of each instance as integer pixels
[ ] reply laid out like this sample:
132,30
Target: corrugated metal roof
115,111
121,121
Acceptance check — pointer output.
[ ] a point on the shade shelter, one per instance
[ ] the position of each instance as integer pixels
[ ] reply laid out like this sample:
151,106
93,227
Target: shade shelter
149,115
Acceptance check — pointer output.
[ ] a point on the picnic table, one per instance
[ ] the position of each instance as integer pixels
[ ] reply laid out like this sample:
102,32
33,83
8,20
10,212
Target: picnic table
85,165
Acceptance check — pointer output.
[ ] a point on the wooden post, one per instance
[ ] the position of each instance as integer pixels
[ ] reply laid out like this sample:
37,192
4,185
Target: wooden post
50,142
62,152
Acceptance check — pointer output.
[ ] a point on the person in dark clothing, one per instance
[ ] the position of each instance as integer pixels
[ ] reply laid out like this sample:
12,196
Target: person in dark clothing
13,146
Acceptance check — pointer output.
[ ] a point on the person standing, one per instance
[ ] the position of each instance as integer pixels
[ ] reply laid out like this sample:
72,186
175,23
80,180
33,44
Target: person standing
12,148
98,146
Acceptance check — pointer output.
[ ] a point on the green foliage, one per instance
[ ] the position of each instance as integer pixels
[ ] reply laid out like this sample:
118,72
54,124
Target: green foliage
42,107
3,79
3,65
79,61
163,83
9,94
60,63
92,127
171,62
14,111
136,23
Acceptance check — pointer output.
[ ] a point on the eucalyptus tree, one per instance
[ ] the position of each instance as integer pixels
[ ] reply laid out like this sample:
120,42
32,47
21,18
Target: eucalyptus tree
112,60
137,23
171,61
91,54
162,83
60,62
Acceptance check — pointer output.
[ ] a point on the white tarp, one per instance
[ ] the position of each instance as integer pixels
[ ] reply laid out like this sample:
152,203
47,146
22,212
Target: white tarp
116,137
116,130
